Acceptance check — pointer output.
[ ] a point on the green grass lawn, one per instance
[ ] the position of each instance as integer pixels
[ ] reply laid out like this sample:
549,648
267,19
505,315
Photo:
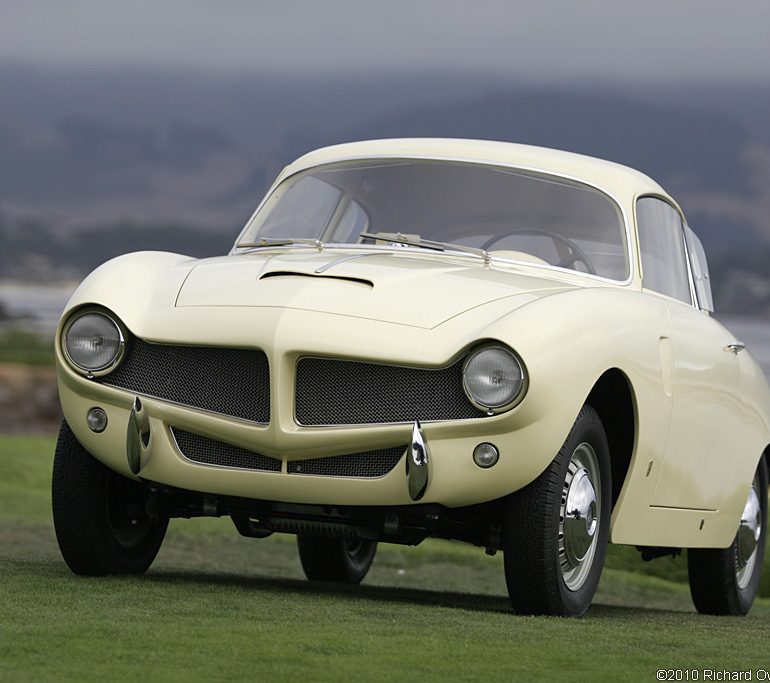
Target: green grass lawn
216,606
20,346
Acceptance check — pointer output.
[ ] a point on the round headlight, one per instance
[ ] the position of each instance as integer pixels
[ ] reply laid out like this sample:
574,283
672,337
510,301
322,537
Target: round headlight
493,378
93,342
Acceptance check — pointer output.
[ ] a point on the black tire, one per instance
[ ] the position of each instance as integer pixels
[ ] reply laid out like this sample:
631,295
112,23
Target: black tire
718,585
333,559
543,567
99,516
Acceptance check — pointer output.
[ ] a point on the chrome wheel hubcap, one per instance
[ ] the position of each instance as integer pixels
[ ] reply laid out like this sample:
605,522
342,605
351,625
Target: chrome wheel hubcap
749,531
579,517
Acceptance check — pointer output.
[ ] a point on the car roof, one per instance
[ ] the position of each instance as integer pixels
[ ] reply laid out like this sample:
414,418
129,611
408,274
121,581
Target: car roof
622,182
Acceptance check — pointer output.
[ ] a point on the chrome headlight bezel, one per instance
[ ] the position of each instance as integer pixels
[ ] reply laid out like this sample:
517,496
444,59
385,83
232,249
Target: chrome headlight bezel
106,368
515,399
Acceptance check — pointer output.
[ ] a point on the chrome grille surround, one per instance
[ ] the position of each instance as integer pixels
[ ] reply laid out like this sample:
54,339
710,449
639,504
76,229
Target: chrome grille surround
228,381
207,451
331,392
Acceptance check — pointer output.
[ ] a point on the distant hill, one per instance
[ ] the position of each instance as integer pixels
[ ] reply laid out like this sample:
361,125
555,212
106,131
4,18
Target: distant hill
108,154
84,147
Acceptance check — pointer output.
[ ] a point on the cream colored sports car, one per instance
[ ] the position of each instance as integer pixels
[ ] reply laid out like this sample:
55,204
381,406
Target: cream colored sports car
505,345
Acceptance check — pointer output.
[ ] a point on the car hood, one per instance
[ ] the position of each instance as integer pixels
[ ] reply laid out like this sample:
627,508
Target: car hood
410,289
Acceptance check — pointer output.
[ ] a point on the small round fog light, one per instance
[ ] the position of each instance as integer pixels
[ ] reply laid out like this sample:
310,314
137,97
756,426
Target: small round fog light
485,455
96,420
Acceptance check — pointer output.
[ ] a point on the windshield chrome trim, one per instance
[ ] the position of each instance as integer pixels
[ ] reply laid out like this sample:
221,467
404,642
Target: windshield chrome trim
630,251
433,253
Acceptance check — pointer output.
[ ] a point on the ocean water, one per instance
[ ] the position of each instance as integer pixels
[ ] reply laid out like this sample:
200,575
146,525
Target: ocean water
34,307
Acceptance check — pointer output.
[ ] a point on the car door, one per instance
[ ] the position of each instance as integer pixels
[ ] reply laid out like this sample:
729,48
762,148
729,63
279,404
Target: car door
706,407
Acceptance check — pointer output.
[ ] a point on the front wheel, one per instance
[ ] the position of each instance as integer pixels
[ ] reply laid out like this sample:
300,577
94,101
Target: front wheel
100,518
555,530
333,559
725,582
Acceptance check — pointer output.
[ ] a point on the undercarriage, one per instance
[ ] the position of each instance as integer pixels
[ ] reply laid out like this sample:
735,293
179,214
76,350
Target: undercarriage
406,525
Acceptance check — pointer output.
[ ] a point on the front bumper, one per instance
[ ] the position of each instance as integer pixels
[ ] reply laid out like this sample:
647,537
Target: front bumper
454,480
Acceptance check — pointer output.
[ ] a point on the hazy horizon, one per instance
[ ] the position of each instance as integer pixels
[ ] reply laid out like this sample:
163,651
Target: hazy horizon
548,42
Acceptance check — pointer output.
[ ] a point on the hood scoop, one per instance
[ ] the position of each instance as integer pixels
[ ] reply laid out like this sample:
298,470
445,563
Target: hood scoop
415,289
294,273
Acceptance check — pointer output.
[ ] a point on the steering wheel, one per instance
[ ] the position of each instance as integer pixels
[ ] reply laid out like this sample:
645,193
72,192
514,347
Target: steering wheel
576,254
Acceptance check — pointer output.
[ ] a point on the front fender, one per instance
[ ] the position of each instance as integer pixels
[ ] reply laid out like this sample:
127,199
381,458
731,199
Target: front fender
134,285
570,339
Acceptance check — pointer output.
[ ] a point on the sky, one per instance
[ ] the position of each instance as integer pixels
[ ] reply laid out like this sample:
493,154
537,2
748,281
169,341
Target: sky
545,40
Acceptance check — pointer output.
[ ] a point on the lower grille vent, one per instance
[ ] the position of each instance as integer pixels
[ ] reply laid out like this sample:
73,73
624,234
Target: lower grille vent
369,464
366,465
209,452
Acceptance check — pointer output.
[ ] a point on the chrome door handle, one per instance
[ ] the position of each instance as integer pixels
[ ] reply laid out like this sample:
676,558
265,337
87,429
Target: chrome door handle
735,347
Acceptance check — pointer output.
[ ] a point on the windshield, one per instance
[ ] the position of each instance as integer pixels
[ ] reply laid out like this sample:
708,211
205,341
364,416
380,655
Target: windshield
511,213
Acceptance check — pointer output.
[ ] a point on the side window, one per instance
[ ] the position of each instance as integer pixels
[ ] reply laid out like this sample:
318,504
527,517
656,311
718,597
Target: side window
661,243
700,270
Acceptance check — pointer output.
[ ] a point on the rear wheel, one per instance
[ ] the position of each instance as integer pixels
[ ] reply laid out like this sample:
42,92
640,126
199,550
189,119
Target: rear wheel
725,582
333,559
101,520
555,530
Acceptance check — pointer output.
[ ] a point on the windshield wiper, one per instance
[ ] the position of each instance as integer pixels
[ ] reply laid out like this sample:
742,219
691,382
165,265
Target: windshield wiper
417,241
281,242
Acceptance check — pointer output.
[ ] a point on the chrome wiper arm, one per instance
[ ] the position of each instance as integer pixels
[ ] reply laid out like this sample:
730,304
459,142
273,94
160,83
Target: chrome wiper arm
400,238
453,246
281,242
415,241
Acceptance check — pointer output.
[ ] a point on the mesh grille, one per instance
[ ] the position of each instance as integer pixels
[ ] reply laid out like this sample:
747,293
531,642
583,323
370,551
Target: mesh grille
209,452
233,382
369,464
339,392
